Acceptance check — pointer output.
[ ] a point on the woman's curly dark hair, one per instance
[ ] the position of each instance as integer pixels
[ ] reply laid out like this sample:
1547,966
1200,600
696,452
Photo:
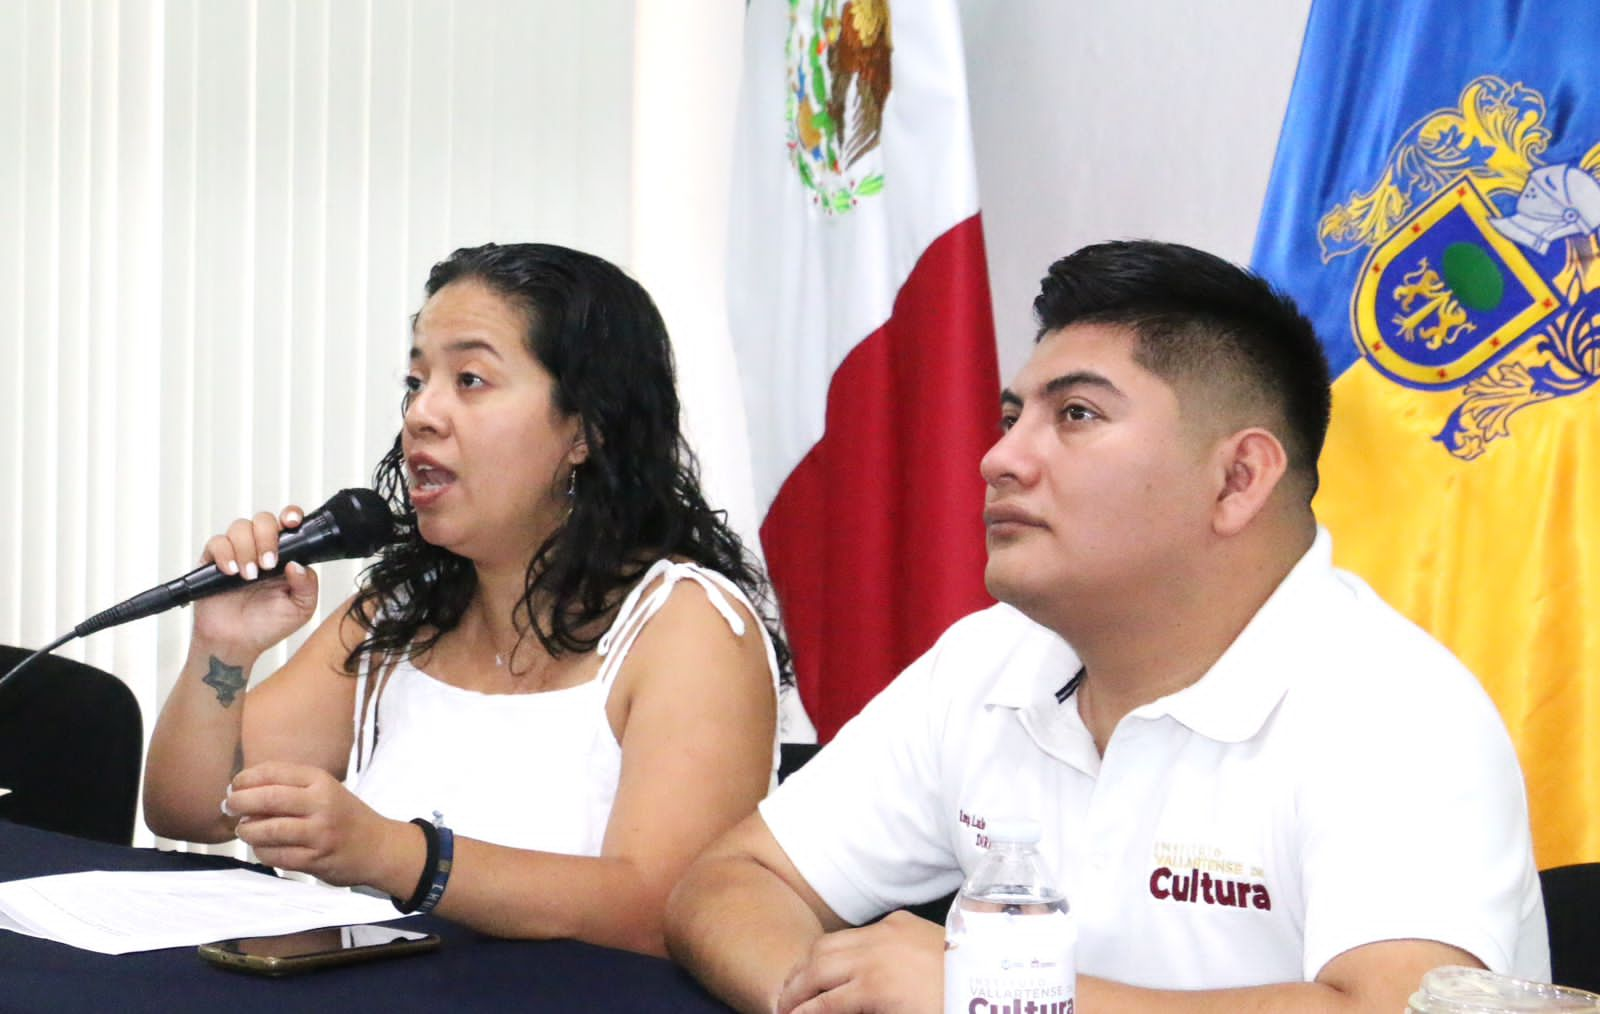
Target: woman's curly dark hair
636,498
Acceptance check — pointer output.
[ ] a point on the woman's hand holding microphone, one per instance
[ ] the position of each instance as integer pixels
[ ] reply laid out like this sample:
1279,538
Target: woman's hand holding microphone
238,626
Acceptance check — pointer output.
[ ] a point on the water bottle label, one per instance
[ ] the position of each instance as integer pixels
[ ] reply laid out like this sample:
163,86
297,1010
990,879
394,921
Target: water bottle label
1016,965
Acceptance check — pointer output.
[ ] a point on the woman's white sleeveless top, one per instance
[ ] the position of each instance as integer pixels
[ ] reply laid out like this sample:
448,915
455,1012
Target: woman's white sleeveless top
533,771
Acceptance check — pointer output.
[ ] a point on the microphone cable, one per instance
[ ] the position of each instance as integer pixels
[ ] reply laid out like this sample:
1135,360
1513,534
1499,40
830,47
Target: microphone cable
47,649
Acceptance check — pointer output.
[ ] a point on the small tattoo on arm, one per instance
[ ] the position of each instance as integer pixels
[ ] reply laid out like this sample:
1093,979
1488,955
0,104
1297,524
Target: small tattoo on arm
226,679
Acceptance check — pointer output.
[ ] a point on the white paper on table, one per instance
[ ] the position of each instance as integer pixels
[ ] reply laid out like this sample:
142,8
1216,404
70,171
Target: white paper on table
118,913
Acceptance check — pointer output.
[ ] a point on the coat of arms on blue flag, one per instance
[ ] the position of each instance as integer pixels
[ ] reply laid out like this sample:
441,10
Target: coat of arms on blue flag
1482,267
1444,295
1490,282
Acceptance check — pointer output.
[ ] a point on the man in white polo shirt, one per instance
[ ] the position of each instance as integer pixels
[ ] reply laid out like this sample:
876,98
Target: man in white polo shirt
1261,788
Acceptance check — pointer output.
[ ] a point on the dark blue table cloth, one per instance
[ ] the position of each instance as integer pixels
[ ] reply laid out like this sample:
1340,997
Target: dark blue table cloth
469,972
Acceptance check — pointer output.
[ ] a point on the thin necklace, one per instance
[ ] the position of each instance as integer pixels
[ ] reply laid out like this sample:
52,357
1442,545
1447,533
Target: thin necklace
488,635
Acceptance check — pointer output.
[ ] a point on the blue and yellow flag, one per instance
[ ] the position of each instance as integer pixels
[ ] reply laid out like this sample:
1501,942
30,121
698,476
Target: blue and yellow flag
1434,207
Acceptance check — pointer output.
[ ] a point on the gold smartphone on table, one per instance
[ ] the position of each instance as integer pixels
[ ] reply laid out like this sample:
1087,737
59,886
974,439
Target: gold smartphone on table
292,953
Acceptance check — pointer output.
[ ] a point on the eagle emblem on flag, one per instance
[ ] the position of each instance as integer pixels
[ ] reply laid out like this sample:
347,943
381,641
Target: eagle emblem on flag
1483,262
838,60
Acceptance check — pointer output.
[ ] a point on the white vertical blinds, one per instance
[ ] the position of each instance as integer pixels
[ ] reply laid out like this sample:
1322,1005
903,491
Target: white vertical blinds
215,219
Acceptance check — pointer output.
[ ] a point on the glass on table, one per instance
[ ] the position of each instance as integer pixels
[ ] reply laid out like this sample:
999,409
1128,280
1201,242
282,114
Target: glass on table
1453,989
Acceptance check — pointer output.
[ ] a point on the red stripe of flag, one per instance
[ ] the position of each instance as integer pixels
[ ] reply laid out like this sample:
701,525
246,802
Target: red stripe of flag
875,541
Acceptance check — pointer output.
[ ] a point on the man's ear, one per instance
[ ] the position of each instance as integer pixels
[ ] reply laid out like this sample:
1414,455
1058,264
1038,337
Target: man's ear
1252,462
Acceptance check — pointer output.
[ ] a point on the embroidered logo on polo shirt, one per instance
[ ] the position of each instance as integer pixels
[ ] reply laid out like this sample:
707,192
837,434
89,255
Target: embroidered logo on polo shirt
1189,874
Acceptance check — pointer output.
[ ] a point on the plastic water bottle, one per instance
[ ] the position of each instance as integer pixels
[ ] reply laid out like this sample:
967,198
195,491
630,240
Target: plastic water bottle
1009,940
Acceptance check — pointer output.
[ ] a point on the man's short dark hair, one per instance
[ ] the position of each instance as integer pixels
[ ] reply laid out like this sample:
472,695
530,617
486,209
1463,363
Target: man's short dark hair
1202,324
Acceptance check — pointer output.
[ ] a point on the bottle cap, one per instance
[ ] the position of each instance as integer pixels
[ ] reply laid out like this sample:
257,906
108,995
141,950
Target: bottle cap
1017,830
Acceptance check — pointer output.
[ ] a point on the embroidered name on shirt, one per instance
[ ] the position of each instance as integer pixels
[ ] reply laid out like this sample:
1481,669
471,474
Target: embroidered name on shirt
977,824
1196,886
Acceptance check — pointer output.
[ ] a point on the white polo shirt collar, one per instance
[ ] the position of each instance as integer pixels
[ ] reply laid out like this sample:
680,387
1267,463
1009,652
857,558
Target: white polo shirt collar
1022,686
1233,700
1229,704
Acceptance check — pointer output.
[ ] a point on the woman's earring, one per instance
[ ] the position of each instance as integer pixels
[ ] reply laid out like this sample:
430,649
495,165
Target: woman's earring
572,483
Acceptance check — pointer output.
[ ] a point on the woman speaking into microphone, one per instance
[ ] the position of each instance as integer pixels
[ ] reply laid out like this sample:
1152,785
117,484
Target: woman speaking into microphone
552,691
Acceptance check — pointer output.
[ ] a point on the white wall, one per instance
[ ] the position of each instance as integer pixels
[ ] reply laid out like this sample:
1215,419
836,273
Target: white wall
1139,118
685,93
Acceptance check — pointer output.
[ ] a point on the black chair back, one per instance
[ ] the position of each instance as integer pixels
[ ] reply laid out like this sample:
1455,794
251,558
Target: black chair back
793,756
71,745
1572,911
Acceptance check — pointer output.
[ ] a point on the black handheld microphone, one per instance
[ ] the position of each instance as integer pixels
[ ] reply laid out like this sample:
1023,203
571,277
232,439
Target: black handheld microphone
352,524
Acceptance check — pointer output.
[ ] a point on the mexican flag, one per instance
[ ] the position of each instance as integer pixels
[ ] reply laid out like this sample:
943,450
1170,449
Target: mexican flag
859,306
